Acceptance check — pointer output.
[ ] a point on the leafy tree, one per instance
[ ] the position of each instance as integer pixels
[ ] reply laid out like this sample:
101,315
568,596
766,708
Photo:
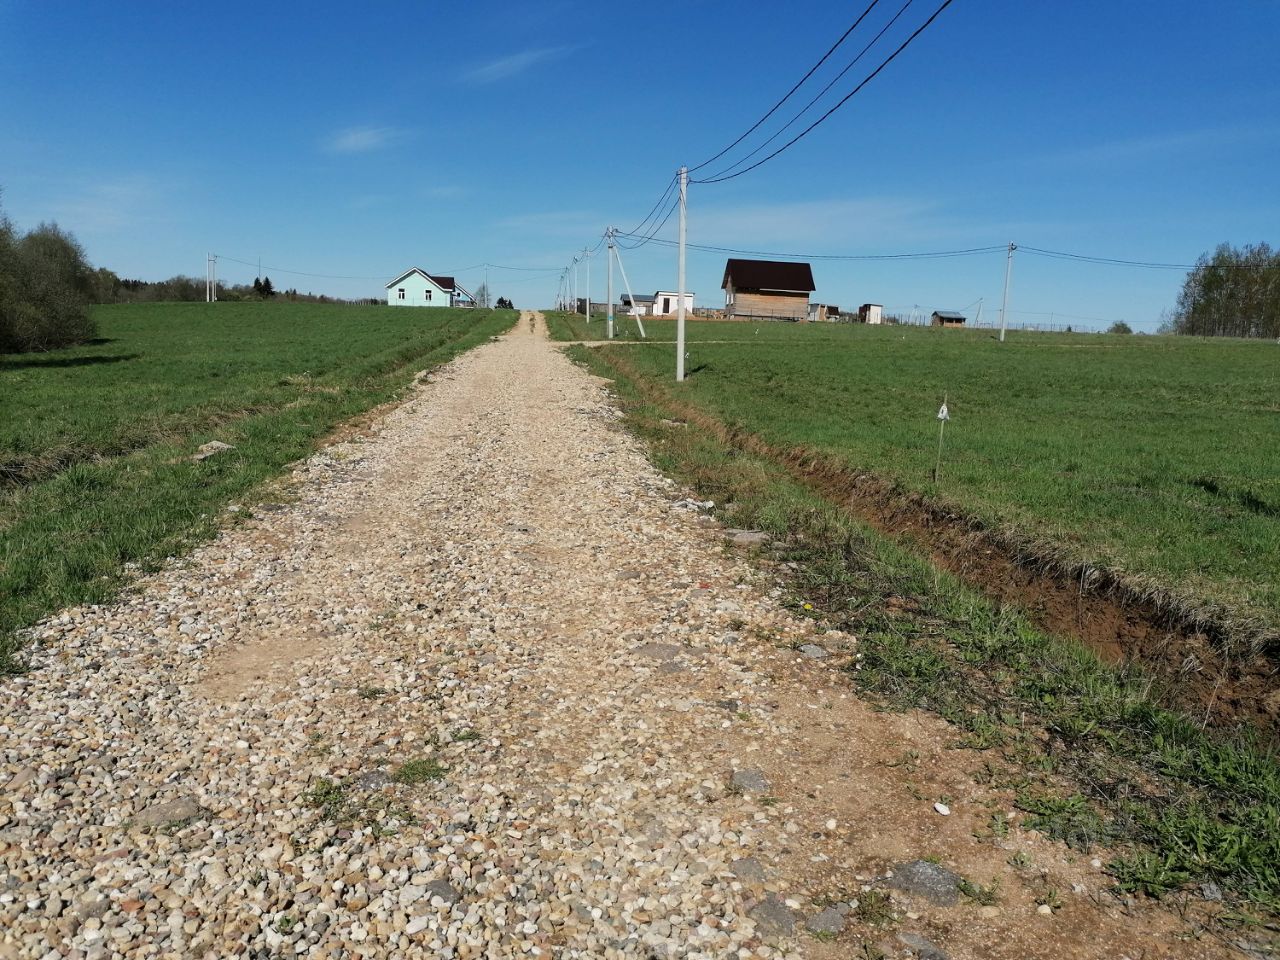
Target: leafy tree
1232,293
45,288
504,304
1119,327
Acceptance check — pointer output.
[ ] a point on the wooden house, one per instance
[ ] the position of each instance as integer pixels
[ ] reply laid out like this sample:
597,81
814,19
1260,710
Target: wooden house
766,290
946,318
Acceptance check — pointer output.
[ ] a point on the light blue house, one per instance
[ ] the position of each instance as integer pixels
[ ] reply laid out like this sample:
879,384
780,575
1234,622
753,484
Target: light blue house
417,288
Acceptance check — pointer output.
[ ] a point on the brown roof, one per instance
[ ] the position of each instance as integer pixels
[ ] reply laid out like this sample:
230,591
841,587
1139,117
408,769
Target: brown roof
445,283
768,275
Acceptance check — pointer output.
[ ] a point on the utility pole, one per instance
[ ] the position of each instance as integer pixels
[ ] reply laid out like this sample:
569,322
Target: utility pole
978,321
575,286
1004,305
488,294
586,255
608,322
208,274
684,191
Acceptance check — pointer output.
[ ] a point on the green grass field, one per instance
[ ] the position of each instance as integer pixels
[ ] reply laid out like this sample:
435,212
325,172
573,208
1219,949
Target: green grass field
95,440
1157,457
1092,753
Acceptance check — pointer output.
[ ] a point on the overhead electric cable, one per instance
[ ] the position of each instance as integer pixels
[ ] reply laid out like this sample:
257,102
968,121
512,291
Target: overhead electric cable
822,93
657,206
847,97
931,255
790,92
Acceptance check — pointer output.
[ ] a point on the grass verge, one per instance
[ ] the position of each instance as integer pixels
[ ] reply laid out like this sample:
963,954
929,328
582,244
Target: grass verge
99,482
1092,756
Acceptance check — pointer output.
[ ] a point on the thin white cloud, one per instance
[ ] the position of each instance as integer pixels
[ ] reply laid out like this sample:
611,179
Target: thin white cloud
513,65
362,139
1137,149
109,206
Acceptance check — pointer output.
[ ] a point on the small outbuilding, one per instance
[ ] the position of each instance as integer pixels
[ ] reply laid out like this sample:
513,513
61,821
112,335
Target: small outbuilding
641,307
871,313
417,288
946,318
823,313
766,290
666,303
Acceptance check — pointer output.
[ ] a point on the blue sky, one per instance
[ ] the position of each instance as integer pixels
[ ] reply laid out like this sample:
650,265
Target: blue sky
356,142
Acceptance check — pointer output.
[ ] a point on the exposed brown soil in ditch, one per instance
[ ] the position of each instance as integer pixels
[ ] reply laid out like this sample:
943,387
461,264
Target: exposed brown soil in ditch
1197,663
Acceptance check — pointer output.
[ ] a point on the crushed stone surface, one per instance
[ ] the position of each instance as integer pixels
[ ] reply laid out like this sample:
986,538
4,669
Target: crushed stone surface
483,684
454,699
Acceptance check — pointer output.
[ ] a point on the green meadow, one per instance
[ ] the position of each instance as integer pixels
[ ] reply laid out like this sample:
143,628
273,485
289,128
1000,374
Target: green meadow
95,441
1156,457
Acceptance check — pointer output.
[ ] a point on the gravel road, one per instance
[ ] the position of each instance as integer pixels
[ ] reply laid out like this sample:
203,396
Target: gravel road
482,683
462,694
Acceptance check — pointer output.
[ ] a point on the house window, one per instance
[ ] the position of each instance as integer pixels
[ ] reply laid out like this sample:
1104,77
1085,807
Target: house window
426,295
402,293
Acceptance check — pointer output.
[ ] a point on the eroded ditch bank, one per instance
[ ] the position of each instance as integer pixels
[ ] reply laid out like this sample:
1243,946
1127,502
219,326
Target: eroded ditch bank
1221,674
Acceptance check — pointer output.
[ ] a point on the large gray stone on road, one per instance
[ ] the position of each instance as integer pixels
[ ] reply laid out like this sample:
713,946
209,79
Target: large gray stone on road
936,884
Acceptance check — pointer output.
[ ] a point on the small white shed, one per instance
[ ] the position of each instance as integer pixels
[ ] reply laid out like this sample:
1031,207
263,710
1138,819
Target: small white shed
666,303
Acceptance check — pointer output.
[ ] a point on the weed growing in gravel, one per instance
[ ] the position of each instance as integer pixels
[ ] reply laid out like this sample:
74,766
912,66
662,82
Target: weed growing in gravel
422,770
371,693
1020,860
1050,898
875,908
328,797
1071,819
984,895
466,736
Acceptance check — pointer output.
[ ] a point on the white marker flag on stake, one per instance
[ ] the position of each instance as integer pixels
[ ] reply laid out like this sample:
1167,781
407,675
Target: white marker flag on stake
943,416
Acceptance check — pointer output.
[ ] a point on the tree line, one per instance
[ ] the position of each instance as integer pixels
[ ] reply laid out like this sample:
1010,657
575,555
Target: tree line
1232,292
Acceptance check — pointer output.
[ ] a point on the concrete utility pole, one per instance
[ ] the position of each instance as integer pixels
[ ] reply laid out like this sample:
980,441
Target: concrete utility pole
586,255
608,316
1004,305
575,286
684,191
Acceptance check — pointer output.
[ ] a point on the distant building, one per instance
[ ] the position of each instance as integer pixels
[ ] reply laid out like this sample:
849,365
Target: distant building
946,318
824,313
666,303
871,313
642,307
417,288
766,290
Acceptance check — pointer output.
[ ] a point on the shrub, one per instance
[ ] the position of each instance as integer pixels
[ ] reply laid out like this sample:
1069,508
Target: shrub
45,288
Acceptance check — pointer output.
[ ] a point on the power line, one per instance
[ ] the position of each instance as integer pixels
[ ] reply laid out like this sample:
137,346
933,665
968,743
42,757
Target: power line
657,206
800,83
847,97
931,255
822,93
652,236
299,273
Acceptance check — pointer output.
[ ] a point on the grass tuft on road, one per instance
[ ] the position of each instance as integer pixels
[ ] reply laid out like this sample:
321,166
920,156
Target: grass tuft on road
96,480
